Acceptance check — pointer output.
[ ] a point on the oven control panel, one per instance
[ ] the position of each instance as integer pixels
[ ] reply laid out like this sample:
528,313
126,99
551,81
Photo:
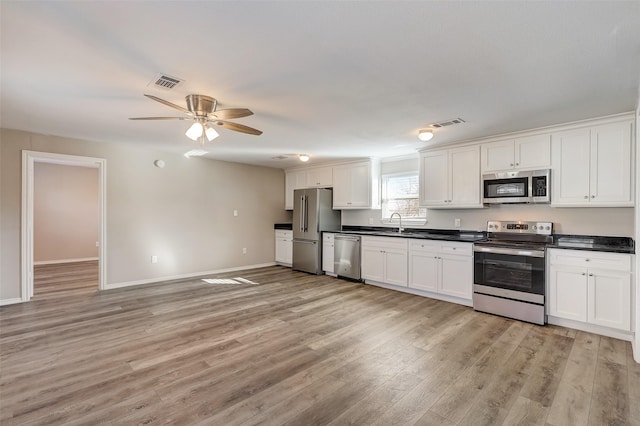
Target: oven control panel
519,227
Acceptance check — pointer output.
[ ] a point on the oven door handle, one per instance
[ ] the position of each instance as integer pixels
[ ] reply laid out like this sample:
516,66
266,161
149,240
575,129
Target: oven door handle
508,251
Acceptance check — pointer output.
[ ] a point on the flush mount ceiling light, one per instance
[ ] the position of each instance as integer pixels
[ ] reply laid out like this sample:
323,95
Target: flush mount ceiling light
425,134
304,157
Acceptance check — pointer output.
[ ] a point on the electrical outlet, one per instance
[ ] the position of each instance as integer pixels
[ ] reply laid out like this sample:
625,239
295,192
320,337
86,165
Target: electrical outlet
235,213
154,259
97,243
457,222
244,250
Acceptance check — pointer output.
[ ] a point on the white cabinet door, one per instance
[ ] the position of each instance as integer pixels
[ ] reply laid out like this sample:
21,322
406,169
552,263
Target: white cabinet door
464,177
609,299
372,264
320,177
571,165
395,267
526,153
457,276
294,179
568,292
611,164
352,186
434,181
360,183
593,166
424,271
533,152
327,255
284,247
497,156
450,178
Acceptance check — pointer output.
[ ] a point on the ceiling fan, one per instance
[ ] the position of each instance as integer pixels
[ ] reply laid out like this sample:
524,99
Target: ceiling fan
202,110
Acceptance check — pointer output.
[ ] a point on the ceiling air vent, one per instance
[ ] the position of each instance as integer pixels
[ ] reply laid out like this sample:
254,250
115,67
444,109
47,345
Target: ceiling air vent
446,123
279,157
165,81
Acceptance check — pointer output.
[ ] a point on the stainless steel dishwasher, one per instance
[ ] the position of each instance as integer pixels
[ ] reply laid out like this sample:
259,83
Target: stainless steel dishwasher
347,256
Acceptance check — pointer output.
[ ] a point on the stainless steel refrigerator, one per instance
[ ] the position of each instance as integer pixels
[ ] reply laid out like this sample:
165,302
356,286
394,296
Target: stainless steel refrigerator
312,214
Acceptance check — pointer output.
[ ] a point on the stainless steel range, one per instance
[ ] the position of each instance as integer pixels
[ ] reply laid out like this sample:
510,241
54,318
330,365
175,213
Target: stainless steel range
509,270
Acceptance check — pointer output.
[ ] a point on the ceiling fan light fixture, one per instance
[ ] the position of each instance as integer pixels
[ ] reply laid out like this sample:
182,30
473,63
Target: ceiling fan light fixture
425,134
211,133
195,131
304,157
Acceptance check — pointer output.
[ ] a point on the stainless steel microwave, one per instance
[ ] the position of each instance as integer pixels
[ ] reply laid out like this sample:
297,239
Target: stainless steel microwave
530,186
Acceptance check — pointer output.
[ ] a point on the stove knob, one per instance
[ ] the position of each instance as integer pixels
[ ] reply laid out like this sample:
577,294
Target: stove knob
547,228
534,227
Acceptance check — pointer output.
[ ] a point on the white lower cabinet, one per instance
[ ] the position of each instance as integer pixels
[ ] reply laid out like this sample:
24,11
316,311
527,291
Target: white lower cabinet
443,267
284,247
591,287
384,260
327,252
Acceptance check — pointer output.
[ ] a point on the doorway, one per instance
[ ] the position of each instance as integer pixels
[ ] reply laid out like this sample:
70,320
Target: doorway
29,159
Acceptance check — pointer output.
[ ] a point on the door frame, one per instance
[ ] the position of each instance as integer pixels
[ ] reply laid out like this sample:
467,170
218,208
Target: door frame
29,158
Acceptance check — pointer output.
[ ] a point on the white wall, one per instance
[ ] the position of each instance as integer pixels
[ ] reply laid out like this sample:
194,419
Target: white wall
182,213
65,212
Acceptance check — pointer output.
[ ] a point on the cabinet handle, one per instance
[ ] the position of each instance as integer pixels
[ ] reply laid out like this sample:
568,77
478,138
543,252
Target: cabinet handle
511,164
584,273
590,275
586,197
517,164
586,260
593,196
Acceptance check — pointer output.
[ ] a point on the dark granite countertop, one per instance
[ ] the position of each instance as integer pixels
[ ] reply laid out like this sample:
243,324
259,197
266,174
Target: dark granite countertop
285,226
417,233
594,243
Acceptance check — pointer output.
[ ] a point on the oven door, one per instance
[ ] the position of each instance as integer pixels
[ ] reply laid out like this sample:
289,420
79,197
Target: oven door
512,276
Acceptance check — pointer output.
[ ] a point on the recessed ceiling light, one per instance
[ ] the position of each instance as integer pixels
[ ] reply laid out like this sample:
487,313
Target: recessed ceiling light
304,157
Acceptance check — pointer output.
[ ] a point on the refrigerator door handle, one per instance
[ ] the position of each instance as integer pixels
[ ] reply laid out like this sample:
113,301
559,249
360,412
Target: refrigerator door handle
306,214
302,213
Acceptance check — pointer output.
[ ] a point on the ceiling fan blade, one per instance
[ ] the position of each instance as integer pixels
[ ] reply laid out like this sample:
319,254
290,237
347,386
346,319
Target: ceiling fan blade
160,118
225,114
167,103
237,127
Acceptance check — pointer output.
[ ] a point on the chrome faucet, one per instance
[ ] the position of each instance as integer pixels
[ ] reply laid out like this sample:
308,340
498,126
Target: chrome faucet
400,228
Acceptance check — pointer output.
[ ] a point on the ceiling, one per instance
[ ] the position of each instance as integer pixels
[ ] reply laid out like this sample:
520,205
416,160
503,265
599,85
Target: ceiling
332,79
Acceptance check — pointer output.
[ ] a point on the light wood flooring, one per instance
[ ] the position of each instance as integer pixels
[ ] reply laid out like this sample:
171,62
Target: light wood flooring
298,349
61,279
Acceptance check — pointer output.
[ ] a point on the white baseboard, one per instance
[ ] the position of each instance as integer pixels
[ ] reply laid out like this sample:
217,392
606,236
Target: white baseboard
10,301
635,345
591,328
184,276
53,262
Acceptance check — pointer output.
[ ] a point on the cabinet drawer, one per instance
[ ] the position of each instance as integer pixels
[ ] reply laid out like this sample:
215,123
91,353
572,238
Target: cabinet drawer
444,247
591,259
284,234
327,237
384,243
458,248
425,245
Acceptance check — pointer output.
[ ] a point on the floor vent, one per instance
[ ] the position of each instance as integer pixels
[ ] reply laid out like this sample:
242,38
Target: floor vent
446,123
165,81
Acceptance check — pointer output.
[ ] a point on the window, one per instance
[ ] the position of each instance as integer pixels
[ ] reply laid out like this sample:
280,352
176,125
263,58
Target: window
400,194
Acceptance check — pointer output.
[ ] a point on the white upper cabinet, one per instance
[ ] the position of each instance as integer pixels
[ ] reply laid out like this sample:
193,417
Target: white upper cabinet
315,177
357,185
525,153
320,177
593,167
294,179
450,178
